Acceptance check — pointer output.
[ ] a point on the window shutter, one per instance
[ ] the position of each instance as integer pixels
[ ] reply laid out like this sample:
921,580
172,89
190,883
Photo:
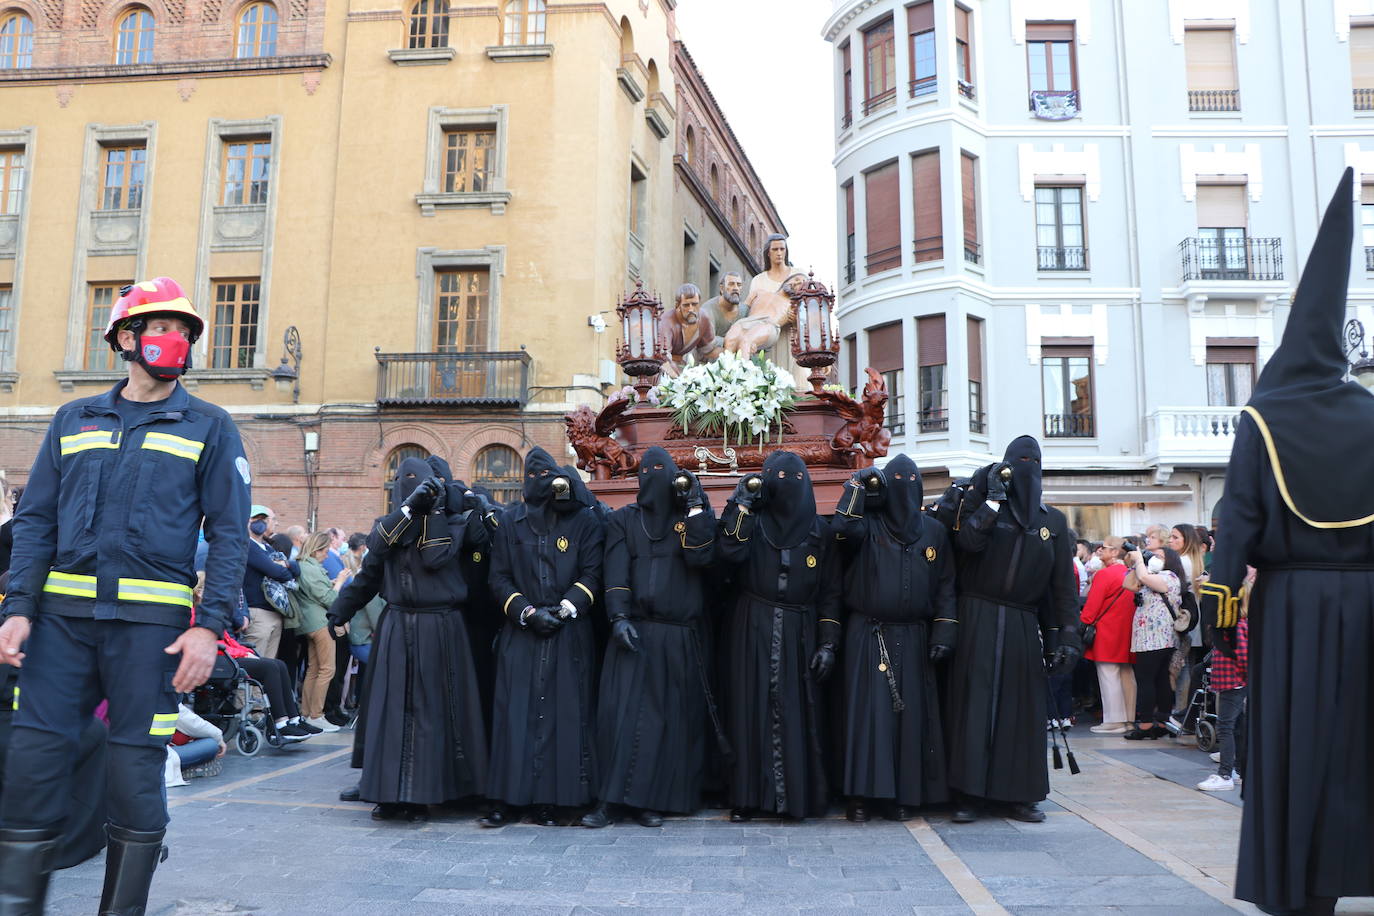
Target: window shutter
1049,31
975,350
1362,56
1232,349
884,226
961,24
921,17
1211,57
925,183
930,341
1221,206
885,347
849,208
1367,193
969,164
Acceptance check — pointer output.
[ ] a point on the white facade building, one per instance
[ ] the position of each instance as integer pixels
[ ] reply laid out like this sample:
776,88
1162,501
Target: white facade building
1084,220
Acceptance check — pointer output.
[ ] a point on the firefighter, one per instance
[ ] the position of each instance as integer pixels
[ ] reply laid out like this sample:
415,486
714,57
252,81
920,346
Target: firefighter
99,605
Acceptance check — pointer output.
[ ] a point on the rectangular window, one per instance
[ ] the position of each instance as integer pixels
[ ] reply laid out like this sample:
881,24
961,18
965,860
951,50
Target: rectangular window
977,411
972,250
1362,66
1211,56
1059,237
525,22
851,350
885,357
1230,372
963,49
849,232
247,164
101,297
883,219
1367,224
122,187
11,180
635,222
462,299
847,63
930,357
1050,57
1222,219
6,326
1067,384
880,67
234,333
467,159
925,187
920,23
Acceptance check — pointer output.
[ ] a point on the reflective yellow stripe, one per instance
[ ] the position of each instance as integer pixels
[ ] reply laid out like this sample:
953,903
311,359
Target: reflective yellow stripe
15,703
156,592
164,723
80,442
70,584
180,304
174,445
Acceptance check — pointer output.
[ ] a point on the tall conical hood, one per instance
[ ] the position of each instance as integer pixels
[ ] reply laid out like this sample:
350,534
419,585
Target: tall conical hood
1317,427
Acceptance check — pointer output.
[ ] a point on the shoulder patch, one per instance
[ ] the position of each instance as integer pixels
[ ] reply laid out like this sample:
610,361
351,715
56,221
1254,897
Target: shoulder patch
241,463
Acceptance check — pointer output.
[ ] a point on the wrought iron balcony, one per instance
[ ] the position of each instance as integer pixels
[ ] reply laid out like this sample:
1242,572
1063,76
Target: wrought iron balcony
1214,100
929,249
934,420
1232,259
1054,258
977,422
1068,426
1055,104
1364,99
973,252
459,379
966,89
1369,259
847,120
884,259
884,99
923,86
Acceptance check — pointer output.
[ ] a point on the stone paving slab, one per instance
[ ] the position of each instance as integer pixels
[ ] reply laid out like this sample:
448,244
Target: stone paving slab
1183,766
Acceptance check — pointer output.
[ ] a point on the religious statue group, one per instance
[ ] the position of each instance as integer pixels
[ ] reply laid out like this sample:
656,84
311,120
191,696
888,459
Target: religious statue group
655,658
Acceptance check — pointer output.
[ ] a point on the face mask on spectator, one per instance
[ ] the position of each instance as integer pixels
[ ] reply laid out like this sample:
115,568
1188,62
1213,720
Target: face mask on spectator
259,528
1156,564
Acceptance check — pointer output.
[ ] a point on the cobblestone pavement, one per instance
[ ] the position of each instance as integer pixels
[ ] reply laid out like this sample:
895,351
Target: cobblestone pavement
269,836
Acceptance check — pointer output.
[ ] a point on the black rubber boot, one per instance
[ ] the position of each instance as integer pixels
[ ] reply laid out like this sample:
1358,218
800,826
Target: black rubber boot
130,860
27,858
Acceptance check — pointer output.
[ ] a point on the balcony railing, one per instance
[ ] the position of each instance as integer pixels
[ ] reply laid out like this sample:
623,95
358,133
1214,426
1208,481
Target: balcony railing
1070,258
462,379
973,252
1068,425
883,259
934,420
923,86
1214,100
880,101
1364,99
928,249
966,89
977,422
847,120
1191,435
1369,259
1232,259
1054,104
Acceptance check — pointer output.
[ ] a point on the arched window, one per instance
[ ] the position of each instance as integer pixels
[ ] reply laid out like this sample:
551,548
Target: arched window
751,236
691,145
715,182
257,31
499,469
134,37
429,24
627,39
524,22
16,41
393,461
734,211
653,89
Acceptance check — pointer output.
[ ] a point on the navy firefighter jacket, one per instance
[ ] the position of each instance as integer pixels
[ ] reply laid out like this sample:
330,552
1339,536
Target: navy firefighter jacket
107,528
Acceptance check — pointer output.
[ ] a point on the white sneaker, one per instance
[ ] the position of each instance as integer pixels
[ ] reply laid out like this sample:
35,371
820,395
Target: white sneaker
322,724
1215,756
1215,783
1109,728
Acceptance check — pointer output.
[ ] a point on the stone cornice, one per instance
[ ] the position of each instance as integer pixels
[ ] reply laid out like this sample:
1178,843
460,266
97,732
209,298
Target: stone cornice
110,73
836,23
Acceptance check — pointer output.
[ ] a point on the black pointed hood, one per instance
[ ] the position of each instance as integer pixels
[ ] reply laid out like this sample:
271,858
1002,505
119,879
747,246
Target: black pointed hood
1024,490
410,473
540,470
656,499
789,503
1317,427
902,503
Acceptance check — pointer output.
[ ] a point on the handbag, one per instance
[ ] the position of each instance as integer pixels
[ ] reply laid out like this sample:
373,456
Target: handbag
1090,631
276,592
1183,618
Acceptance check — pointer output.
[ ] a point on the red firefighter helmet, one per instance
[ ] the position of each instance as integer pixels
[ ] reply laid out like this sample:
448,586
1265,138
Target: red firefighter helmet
162,296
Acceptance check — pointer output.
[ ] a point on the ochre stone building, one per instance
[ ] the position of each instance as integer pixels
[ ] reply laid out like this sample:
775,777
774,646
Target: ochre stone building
416,209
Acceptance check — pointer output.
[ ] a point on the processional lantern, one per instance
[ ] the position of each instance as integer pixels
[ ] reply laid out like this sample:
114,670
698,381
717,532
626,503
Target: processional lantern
642,352
815,344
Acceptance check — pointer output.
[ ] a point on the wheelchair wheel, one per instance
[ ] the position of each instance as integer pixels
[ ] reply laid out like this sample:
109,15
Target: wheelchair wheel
1206,735
249,740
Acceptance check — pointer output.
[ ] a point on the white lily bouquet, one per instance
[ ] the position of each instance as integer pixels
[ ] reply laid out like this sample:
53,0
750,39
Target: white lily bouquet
732,397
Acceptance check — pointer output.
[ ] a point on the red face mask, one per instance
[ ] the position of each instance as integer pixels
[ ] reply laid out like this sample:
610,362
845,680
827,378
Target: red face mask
164,356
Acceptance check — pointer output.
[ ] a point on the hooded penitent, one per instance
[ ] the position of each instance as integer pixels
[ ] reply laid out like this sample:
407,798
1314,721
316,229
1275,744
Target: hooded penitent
1303,389
902,505
540,470
1023,493
410,474
656,496
789,503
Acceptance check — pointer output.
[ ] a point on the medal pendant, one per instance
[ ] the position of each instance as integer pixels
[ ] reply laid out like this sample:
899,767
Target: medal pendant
882,666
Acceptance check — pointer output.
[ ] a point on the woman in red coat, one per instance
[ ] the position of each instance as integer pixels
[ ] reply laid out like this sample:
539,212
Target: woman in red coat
1110,606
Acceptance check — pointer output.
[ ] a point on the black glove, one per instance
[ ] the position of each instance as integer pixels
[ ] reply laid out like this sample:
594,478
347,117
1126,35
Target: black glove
1224,641
1063,660
695,495
624,634
997,487
823,662
743,495
939,653
425,496
333,620
455,496
544,621
441,468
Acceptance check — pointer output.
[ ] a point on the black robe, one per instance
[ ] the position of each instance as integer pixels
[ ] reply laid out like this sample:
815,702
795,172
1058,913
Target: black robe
903,589
543,733
775,711
652,718
995,721
421,737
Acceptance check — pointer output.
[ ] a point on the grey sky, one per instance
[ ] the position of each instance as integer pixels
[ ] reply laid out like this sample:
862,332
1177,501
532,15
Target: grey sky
770,71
